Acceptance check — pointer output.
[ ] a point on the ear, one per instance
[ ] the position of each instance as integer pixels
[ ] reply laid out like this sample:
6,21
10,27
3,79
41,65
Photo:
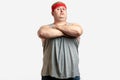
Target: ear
52,13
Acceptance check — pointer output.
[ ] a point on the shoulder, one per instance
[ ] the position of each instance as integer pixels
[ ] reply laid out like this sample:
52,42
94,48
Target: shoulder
47,26
76,24
44,27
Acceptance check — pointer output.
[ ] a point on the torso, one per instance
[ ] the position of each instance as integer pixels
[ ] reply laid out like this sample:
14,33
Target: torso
60,57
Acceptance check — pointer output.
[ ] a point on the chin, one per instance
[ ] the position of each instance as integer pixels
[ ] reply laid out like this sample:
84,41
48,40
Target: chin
62,20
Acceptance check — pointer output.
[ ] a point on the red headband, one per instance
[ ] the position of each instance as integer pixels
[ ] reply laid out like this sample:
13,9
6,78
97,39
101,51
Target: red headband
54,6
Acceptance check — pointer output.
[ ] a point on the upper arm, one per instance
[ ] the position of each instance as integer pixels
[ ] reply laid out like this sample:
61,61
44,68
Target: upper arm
41,30
49,32
78,27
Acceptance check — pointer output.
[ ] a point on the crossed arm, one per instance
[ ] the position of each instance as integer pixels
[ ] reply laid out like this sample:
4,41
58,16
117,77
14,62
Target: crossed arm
73,30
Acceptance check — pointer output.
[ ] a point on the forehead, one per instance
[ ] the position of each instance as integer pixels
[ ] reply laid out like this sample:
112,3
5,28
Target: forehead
60,7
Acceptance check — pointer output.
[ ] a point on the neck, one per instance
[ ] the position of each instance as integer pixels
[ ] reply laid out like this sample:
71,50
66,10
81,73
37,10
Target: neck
60,23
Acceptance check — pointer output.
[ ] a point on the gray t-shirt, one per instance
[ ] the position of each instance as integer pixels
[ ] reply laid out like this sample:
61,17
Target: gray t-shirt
60,57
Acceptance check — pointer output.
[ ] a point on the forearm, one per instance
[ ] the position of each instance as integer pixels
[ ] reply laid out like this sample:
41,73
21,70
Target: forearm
50,33
70,30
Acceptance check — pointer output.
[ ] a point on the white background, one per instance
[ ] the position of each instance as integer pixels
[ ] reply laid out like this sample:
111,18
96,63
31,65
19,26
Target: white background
21,49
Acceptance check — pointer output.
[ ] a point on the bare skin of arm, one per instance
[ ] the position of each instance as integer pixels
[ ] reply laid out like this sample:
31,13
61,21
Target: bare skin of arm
73,30
46,32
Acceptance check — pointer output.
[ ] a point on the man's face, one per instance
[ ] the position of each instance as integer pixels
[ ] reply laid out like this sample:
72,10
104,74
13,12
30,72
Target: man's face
60,13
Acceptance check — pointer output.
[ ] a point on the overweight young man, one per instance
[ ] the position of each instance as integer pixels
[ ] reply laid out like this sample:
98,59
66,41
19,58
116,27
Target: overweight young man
60,46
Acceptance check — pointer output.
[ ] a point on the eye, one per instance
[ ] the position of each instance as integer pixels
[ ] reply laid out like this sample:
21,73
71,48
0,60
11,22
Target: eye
58,9
63,9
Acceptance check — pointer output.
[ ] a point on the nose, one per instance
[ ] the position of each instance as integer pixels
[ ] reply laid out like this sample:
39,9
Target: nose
61,10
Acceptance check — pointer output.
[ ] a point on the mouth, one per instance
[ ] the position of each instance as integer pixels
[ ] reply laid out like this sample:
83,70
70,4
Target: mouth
61,13
61,17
